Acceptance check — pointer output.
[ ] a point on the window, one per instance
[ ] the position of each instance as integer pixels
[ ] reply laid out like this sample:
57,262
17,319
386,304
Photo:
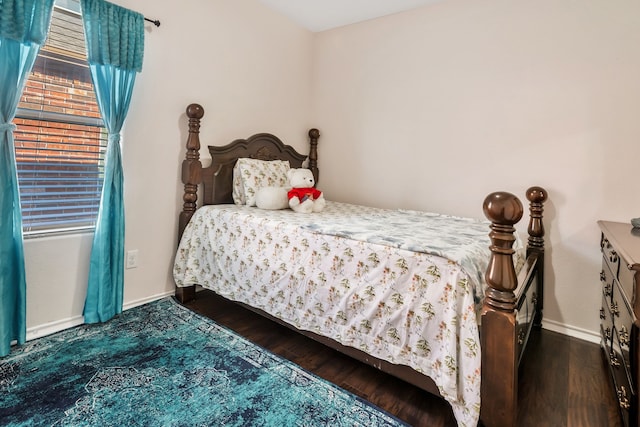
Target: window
60,139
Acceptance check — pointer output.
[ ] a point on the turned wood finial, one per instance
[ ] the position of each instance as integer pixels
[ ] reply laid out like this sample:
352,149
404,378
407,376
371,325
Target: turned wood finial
314,135
191,167
536,196
503,210
195,112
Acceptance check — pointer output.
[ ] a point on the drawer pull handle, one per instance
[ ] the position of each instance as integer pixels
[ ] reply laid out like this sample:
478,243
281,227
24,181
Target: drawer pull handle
622,398
614,360
613,257
614,309
607,290
521,335
602,276
624,336
607,334
534,299
602,316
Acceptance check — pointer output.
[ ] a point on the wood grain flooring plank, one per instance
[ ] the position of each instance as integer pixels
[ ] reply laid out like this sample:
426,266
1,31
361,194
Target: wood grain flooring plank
591,397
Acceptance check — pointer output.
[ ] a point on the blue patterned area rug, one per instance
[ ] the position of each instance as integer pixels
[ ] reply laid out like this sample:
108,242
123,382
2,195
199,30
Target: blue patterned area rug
161,364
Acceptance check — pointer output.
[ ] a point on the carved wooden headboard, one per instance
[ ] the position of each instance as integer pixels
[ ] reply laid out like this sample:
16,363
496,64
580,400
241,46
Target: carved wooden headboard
217,178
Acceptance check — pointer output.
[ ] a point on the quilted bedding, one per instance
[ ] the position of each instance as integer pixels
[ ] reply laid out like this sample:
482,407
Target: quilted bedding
403,286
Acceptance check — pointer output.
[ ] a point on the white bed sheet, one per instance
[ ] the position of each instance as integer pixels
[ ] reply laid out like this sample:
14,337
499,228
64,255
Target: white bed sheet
405,306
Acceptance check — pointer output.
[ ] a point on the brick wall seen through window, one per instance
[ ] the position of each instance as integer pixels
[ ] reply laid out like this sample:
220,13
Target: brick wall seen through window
60,139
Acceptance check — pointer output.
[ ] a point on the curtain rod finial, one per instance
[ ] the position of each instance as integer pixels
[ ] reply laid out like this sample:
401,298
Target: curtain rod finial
154,22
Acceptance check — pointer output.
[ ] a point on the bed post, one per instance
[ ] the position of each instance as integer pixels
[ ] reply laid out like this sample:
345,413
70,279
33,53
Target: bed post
498,338
191,167
537,196
314,134
191,177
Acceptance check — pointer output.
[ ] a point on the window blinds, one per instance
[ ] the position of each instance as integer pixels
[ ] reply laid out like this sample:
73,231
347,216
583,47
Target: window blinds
60,139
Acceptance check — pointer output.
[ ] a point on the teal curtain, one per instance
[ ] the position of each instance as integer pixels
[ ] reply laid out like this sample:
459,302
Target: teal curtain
23,28
115,46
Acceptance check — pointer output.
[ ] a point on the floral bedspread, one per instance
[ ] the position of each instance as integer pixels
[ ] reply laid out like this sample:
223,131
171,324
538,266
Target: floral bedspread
390,284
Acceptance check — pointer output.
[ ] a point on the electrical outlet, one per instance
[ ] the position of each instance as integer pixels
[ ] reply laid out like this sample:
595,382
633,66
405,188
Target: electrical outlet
132,258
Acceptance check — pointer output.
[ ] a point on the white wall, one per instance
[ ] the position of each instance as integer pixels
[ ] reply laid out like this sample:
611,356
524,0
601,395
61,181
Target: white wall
249,68
430,109
435,108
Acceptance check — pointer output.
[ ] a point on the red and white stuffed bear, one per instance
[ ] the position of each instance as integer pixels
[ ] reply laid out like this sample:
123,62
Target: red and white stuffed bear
303,197
300,195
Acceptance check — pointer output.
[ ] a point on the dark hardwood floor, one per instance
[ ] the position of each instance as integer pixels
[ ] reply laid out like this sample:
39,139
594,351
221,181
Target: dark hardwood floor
563,380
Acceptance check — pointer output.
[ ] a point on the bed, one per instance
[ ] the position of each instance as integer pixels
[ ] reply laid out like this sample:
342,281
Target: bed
444,303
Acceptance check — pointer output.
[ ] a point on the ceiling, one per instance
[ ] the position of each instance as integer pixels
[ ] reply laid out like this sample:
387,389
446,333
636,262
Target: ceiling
320,15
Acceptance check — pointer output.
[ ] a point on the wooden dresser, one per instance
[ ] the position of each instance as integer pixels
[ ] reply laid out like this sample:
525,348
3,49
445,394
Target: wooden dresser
620,279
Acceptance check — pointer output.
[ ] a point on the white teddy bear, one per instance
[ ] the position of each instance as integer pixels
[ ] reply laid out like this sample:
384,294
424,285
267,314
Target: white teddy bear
303,197
300,196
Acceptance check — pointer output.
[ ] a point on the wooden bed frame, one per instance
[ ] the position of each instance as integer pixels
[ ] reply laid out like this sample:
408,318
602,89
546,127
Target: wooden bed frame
513,303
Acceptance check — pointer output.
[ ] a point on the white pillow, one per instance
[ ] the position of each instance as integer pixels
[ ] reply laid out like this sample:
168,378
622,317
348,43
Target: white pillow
249,175
238,188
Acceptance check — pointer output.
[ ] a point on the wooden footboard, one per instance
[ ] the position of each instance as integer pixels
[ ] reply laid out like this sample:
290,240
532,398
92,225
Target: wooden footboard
504,333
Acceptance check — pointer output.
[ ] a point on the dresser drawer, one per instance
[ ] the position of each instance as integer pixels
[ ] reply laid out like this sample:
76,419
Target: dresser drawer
606,325
618,307
620,364
622,378
625,400
621,313
607,280
610,255
606,335
627,283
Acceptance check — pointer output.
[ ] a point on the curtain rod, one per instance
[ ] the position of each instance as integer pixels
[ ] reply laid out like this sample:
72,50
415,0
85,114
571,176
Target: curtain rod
154,22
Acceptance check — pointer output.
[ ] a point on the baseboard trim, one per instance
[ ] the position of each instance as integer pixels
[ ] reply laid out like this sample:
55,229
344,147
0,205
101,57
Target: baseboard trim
53,327
60,325
146,300
571,331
